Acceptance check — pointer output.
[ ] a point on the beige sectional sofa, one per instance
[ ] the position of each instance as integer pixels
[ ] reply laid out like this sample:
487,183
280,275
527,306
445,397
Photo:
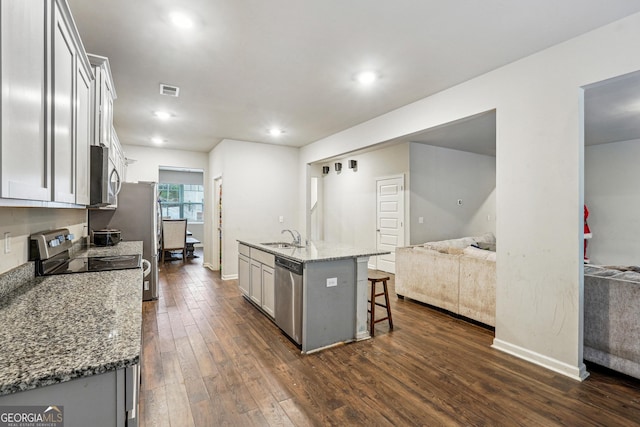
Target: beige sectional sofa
454,275
612,318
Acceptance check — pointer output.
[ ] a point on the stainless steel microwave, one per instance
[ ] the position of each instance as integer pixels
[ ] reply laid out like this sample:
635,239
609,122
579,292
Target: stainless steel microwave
105,181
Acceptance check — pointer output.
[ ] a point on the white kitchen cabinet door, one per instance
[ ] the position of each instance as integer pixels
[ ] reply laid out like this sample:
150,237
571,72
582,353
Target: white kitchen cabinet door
268,290
244,274
24,142
103,94
255,290
64,72
83,134
107,112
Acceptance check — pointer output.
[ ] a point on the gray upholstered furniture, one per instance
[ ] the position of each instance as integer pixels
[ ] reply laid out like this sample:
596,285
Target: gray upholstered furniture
452,275
612,318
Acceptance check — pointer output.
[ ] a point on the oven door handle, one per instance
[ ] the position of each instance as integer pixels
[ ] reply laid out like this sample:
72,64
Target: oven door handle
147,267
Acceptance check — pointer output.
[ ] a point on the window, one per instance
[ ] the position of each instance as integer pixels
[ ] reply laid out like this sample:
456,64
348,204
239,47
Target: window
182,201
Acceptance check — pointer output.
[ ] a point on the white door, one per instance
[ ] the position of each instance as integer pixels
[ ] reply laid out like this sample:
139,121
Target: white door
389,220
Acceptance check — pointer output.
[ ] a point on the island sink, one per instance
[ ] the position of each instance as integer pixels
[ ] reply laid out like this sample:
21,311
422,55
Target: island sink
282,245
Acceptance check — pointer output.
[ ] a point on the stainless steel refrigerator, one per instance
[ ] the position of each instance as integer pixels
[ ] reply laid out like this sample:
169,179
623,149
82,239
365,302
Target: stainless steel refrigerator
138,218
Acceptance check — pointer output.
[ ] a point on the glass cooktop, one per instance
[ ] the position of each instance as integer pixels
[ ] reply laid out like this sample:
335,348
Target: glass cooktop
93,264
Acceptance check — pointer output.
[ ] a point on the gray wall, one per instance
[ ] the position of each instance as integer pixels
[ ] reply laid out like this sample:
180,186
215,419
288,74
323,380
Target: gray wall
612,194
349,198
439,178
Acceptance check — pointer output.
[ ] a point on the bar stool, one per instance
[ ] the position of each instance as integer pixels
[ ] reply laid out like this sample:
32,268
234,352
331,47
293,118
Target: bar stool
372,320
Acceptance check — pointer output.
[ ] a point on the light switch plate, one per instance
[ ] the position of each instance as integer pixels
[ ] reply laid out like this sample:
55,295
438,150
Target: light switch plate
332,281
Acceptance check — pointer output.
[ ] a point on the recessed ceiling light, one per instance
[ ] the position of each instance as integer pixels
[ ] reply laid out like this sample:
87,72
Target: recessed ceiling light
162,115
275,132
367,77
180,20
157,140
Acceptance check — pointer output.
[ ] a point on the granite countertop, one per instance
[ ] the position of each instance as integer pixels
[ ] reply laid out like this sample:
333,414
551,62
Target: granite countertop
122,248
317,251
57,328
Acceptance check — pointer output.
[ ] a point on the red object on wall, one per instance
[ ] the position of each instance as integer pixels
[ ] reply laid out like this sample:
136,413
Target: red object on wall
587,232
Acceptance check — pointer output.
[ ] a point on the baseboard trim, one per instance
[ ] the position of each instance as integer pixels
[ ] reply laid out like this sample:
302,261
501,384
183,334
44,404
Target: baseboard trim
223,277
578,373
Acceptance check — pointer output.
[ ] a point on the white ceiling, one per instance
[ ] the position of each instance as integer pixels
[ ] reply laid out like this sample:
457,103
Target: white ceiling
612,110
248,65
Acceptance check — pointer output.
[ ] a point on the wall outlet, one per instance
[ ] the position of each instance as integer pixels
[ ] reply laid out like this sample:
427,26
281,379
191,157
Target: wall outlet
332,281
281,219
7,242
420,220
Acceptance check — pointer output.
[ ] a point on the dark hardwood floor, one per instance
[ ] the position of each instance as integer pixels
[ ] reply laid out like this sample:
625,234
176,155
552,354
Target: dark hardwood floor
211,359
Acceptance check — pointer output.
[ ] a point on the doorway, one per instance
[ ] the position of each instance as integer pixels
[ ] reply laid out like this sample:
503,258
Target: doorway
389,220
218,242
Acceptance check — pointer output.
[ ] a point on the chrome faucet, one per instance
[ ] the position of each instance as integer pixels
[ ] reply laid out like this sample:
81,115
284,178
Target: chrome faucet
296,237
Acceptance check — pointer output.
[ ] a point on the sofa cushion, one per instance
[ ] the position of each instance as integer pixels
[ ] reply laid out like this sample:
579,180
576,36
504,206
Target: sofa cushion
630,276
629,273
474,252
487,246
487,237
455,251
444,245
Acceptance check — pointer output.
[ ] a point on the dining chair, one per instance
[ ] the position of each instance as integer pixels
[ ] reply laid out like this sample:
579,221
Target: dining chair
174,237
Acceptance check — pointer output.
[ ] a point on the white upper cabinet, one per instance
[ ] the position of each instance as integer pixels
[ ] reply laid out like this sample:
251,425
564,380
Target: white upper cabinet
102,96
25,172
64,71
83,133
44,118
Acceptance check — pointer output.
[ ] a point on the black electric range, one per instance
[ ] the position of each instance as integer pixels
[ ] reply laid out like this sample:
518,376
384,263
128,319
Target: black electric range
50,250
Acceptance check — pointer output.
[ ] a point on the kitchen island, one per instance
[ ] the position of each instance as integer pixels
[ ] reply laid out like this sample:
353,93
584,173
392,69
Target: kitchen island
73,340
333,301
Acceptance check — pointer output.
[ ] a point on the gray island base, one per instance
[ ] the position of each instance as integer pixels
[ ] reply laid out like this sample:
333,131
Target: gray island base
334,289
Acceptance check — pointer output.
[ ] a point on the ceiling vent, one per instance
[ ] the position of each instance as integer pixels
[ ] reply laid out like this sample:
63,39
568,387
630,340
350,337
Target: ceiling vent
169,90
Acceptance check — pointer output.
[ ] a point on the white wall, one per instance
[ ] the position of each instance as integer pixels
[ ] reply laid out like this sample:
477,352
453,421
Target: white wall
22,222
539,181
612,194
147,166
259,184
439,177
349,198
149,160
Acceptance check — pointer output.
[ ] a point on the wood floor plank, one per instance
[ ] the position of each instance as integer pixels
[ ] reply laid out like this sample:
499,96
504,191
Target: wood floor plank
165,334
178,406
151,373
206,364
196,390
211,358
155,410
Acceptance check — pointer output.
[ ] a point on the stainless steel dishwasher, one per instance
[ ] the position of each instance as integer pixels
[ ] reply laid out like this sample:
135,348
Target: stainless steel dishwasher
288,310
